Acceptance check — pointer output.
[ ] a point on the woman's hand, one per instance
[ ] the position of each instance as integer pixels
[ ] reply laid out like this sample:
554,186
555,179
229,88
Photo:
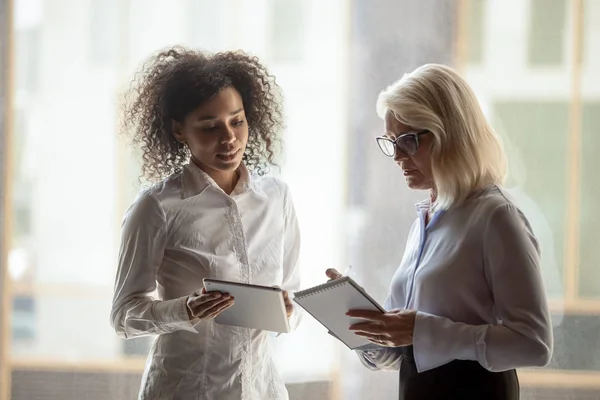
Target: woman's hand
205,305
333,274
391,329
289,306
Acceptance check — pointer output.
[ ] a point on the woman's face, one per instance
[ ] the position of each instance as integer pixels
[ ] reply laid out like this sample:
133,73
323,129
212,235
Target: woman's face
216,132
417,167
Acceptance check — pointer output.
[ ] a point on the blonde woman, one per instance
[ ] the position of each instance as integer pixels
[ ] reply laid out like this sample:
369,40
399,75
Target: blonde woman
467,303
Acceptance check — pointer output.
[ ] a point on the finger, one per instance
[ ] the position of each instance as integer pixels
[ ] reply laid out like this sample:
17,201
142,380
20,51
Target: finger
374,338
367,314
374,329
381,343
285,294
205,305
205,311
333,273
203,291
196,300
203,298
218,311
207,296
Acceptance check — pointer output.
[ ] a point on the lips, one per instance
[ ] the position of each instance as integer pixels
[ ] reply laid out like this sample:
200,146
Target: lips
229,153
228,156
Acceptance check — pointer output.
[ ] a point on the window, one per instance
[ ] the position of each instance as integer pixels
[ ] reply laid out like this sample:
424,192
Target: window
104,43
591,34
137,347
28,48
476,28
589,223
547,32
332,59
22,186
287,30
577,343
542,171
23,318
204,19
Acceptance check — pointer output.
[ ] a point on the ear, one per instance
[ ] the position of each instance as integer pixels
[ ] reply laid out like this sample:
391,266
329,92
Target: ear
176,129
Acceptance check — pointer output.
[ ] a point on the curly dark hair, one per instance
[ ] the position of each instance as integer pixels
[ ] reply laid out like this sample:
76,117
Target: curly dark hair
174,82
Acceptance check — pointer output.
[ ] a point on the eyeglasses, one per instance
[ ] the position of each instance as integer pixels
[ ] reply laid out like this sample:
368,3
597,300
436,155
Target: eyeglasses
408,143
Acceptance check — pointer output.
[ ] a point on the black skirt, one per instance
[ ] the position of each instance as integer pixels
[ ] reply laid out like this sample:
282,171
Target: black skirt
458,380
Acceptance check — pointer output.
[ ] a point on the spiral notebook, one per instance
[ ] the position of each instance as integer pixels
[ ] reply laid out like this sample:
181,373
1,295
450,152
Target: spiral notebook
328,304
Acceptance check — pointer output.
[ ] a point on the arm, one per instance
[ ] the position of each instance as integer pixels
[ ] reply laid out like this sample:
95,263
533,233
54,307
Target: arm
143,239
386,358
381,358
524,338
291,255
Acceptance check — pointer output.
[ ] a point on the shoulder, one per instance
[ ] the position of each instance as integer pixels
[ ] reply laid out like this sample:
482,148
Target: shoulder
151,199
272,186
499,212
491,200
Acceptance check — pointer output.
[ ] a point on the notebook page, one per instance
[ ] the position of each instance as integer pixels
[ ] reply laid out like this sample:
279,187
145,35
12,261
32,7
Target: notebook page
329,304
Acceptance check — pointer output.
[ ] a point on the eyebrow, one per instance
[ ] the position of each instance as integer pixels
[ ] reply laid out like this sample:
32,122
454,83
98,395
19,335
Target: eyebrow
414,131
209,117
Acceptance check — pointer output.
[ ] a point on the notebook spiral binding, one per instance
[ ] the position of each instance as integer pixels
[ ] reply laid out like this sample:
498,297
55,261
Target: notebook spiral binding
322,288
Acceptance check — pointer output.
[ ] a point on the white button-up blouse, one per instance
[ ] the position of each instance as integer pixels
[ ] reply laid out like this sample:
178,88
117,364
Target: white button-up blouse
174,235
473,275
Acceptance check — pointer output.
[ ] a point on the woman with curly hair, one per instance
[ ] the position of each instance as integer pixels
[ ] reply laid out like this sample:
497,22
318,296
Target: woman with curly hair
207,125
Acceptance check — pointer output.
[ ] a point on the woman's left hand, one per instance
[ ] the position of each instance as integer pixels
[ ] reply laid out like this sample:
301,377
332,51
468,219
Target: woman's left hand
289,307
391,329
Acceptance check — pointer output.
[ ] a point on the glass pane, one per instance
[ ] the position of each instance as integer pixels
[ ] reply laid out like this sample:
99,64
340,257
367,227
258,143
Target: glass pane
45,331
287,30
579,351
589,265
536,142
476,30
547,33
591,37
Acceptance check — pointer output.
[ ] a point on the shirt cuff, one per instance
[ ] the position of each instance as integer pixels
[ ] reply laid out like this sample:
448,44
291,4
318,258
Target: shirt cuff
173,315
438,341
367,357
295,318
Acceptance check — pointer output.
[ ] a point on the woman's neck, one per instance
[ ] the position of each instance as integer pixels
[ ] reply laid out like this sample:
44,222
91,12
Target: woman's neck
226,180
432,196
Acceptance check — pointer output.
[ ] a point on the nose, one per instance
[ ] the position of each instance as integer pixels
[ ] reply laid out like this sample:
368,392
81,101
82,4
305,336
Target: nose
400,155
228,136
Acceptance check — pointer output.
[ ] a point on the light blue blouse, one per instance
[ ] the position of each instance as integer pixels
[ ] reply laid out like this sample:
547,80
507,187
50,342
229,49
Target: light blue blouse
473,275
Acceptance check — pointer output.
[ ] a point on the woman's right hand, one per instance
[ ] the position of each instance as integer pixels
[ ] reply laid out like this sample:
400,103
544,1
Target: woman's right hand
206,305
333,274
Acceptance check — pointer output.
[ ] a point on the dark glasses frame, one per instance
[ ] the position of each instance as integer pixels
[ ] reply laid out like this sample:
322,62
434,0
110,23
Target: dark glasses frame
394,142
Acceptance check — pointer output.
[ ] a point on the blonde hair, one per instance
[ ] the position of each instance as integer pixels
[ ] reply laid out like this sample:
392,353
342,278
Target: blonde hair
466,154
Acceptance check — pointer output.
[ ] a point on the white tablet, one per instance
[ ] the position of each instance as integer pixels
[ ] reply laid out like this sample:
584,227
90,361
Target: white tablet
255,307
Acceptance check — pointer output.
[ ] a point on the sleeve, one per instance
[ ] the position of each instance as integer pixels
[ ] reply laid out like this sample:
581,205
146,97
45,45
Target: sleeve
381,358
143,239
387,358
291,255
523,338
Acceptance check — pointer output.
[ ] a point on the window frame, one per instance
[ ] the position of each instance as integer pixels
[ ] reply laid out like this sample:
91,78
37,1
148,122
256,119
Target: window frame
6,164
